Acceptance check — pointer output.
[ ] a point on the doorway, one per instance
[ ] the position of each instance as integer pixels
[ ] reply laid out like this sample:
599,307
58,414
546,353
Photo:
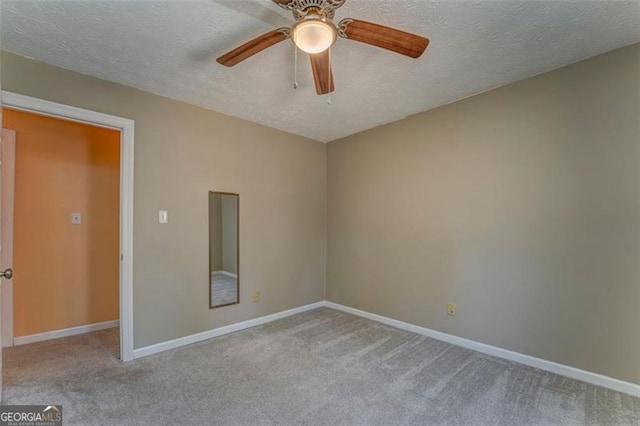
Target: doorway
86,309
65,228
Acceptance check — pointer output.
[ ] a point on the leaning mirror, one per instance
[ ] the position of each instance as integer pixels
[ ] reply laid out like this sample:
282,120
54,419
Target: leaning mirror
223,249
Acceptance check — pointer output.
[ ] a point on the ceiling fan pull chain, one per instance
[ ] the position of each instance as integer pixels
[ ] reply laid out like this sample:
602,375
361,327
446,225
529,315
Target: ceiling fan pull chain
330,79
295,66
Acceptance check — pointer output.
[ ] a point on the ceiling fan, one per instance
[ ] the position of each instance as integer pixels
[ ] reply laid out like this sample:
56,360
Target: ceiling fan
314,33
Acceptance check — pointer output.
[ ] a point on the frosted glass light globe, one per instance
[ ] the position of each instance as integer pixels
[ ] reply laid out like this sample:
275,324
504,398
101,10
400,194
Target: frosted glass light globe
313,35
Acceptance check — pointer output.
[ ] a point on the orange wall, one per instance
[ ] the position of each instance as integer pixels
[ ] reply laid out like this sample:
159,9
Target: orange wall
65,275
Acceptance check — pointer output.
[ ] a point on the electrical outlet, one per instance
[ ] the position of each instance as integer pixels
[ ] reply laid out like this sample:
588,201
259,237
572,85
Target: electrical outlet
76,218
256,297
451,309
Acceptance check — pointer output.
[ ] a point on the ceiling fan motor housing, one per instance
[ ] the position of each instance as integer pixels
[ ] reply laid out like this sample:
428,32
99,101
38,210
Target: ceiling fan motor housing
301,8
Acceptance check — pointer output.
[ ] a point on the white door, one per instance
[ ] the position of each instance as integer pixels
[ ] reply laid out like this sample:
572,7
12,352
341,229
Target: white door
7,145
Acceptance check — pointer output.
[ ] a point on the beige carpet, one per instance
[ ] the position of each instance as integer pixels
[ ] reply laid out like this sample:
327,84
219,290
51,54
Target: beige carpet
320,367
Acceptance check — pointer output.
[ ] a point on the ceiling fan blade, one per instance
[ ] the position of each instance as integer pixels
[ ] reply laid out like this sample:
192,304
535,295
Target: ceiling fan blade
322,74
254,46
387,38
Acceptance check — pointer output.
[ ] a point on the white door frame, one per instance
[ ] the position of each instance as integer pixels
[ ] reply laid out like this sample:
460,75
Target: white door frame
6,242
19,102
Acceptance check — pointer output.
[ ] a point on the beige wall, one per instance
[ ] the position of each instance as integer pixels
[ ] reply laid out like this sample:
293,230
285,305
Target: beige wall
223,232
68,273
522,205
230,234
181,152
215,232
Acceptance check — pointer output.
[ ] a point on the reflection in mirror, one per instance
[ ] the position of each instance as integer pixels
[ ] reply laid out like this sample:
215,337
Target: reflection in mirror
223,249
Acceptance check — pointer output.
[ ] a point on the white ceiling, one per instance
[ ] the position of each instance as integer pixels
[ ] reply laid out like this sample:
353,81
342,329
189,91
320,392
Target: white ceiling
169,48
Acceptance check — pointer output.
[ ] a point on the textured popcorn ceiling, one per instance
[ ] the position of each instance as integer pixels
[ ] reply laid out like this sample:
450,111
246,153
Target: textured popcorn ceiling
169,48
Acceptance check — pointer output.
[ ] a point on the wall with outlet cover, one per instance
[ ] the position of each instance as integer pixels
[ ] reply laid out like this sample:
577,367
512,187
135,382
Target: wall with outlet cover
520,205
181,153
66,219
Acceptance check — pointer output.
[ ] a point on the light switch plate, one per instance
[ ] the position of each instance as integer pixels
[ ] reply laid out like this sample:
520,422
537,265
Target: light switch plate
76,218
163,216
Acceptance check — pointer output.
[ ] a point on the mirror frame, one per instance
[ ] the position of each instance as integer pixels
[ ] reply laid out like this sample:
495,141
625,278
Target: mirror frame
237,302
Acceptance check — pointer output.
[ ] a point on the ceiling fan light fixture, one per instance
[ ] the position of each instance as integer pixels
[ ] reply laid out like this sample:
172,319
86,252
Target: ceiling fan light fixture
313,35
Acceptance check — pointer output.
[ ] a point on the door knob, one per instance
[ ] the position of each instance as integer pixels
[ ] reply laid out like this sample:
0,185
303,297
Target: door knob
7,273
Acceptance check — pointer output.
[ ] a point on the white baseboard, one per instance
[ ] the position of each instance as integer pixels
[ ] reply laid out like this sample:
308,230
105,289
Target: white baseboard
229,274
194,338
553,367
65,332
